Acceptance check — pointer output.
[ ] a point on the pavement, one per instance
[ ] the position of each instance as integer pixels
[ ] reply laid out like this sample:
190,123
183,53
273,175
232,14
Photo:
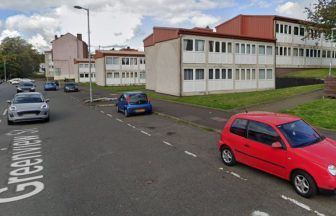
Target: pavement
94,161
215,119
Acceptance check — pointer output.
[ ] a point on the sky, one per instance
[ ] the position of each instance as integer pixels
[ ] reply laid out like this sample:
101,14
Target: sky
121,23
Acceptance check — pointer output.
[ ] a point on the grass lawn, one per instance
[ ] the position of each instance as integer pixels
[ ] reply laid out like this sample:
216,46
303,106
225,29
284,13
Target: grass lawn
312,73
117,89
223,101
320,113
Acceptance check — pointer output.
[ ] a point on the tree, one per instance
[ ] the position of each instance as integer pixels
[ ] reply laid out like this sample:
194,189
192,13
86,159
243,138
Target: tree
323,15
20,56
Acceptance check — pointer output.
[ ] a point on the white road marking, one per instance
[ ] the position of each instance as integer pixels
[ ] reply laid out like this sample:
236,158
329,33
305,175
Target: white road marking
319,214
236,175
3,149
4,112
300,204
167,143
189,153
102,111
132,126
144,132
259,213
119,120
0,120
109,115
221,168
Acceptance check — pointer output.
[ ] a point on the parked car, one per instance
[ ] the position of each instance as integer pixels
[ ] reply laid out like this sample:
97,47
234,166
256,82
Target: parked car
27,80
282,145
28,106
25,86
71,87
50,86
133,103
14,81
56,83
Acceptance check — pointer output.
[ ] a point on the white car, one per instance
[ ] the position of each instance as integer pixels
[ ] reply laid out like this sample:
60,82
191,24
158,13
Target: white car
15,81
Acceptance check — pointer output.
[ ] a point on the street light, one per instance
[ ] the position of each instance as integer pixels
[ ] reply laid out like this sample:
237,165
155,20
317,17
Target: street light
88,20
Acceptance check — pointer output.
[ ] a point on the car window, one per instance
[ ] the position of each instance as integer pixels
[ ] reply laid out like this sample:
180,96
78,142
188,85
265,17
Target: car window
238,127
33,98
262,133
138,99
300,134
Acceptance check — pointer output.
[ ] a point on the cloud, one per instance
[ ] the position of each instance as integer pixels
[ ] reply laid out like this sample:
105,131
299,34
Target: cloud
256,4
294,9
39,42
8,33
112,22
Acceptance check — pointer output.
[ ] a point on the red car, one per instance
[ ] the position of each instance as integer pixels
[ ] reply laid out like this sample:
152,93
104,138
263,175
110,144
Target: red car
282,145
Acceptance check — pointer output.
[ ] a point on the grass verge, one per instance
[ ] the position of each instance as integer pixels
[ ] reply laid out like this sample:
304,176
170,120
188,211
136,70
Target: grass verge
320,113
312,73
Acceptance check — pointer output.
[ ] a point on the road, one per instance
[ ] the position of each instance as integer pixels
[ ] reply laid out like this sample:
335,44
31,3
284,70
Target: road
93,161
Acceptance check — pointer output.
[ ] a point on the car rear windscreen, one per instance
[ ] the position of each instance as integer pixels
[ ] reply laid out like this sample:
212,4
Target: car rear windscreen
138,99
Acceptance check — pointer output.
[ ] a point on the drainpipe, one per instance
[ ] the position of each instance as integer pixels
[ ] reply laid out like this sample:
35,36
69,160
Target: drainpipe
181,74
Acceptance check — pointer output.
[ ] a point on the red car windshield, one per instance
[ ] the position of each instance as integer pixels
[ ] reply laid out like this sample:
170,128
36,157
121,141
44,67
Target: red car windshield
299,134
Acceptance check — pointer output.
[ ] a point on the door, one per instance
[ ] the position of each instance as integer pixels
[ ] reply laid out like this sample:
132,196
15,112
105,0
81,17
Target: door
260,138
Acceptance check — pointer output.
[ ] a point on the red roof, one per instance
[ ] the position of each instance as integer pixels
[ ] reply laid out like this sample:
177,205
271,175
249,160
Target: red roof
268,117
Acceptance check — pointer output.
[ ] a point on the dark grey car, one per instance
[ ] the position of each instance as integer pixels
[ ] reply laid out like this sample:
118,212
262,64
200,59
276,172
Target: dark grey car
25,87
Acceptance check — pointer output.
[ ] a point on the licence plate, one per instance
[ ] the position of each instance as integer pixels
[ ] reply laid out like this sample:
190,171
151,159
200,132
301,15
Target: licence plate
140,110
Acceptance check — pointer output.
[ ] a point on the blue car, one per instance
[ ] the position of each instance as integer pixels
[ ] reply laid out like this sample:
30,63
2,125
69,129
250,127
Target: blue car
133,103
50,86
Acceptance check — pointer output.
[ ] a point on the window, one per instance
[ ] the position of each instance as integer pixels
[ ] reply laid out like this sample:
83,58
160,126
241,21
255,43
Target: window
324,53
277,28
125,61
81,66
269,50
86,75
112,60
199,74
135,61
199,45
242,48
223,73
261,50
286,27
253,49
127,74
229,73
131,61
311,53
328,54
131,74
217,74
238,127
281,51
81,75
262,74
188,74
281,29
253,74
307,52
285,51
237,74
248,74
211,43
229,47
319,53
237,48
211,74
143,75
188,44
242,76
301,51
109,75
295,51
289,29
217,46
223,47
262,133
269,74
86,65
123,75
296,30
135,74
248,48
289,51
301,31
116,75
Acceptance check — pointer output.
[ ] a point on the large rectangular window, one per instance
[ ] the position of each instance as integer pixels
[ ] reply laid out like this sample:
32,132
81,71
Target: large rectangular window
229,47
211,46
211,76
199,45
277,28
248,48
188,44
248,74
262,74
269,50
296,30
253,74
217,74
237,74
295,51
223,47
253,49
269,74
242,74
125,61
229,73
262,50
301,31
217,47
188,74
199,74
223,73
242,48
237,48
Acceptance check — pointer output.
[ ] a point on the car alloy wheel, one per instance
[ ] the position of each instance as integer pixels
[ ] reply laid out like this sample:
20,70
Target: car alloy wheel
304,184
118,109
227,156
126,113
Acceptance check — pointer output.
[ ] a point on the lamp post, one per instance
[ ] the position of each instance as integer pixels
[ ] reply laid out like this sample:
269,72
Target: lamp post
88,21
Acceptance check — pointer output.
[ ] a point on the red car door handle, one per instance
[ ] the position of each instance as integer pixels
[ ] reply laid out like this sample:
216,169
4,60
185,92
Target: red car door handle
247,145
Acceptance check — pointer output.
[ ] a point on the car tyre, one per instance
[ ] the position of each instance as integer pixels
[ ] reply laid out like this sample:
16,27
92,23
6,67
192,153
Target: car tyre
9,122
47,119
227,156
304,184
118,110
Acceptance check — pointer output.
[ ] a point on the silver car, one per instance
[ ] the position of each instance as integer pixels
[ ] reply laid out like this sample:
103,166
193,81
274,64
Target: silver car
29,106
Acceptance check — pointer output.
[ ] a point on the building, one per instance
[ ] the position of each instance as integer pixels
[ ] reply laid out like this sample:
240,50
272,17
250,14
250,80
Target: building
120,67
65,49
81,68
200,61
48,63
297,45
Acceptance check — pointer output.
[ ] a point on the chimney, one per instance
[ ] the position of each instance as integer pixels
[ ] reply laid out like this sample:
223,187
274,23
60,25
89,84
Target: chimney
56,37
79,37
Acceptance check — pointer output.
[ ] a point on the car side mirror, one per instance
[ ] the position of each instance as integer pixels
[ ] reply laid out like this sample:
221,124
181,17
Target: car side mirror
277,145
9,102
47,100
